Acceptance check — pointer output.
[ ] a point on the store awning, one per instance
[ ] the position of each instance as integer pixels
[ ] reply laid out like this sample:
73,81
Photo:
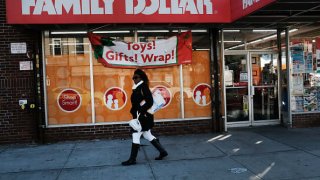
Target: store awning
282,13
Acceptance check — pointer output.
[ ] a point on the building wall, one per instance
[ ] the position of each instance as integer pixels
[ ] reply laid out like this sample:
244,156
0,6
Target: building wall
305,120
16,125
123,130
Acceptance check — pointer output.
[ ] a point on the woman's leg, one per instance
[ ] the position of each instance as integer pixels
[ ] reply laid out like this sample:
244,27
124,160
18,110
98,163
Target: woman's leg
148,136
155,142
134,149
136,137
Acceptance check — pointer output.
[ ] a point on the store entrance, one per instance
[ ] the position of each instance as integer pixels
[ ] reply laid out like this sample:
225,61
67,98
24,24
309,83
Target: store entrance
251,88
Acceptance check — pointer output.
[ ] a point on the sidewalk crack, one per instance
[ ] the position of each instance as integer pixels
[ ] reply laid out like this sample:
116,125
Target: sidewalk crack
64,165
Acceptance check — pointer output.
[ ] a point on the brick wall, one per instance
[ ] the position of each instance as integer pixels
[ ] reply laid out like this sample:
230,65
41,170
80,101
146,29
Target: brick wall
16,125
306,120
123,131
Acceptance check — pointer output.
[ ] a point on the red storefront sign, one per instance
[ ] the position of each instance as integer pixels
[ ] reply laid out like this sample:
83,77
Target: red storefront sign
241,8
129,11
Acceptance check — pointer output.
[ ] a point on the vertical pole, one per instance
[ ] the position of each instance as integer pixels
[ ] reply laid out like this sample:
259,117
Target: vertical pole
214,68
288,77
44,73
181,88
181,91
37,90
280,76
93,110
222,84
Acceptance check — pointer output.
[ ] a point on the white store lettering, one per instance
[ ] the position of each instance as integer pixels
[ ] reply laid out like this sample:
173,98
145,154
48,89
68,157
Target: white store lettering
79,7
248,3
175,7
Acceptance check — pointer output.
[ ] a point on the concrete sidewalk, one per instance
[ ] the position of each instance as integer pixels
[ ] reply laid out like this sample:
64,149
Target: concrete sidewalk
250,153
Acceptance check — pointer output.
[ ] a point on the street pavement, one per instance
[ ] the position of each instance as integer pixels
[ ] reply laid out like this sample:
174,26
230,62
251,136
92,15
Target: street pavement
269,152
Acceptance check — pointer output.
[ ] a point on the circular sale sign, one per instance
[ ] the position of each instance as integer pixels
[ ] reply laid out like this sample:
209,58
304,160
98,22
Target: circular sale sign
115,98
161,94
201,94
69,100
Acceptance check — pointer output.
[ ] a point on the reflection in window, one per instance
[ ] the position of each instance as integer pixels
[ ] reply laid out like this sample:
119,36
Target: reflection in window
79,46
56,47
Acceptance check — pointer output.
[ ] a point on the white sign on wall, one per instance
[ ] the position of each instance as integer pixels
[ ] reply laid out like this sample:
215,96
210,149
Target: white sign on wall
18,48
26,65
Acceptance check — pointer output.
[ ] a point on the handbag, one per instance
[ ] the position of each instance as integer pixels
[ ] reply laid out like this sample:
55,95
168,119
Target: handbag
135,123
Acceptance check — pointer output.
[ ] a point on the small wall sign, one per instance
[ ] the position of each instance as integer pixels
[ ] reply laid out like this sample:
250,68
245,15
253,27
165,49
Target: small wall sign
18,48
26,65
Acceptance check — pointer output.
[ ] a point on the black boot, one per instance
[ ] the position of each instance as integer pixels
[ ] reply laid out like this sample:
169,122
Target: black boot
133,155
163,152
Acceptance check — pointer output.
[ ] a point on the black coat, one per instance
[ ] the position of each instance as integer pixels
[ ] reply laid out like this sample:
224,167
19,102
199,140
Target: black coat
142,93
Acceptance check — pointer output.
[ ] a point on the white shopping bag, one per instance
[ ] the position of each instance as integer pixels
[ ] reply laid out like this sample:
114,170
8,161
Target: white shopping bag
158,102
135,123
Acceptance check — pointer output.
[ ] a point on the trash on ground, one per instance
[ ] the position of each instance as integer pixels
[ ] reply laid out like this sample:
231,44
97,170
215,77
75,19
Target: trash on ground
238,170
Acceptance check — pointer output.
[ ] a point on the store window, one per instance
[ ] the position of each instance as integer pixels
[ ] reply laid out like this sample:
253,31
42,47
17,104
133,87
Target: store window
305,92
67,82
75,80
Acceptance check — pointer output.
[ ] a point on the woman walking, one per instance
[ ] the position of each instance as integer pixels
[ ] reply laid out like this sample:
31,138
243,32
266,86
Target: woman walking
141,100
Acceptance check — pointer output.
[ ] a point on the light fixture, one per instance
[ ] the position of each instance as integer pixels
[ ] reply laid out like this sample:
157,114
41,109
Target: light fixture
264,30
194,31
199,31
269,37
202,49
313,40
231,30
110,32
290,31
85,32
262,39
231,41
148,31
68,32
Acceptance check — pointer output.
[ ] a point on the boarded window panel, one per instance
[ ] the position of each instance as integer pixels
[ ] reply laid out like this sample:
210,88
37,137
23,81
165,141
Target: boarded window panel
196,80
68,71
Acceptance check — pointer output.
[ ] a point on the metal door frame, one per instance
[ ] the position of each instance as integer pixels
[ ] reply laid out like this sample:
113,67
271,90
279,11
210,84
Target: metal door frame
251,121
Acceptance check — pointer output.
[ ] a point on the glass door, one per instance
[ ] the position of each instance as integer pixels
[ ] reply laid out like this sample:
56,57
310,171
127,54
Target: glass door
251,88
236,77
264,87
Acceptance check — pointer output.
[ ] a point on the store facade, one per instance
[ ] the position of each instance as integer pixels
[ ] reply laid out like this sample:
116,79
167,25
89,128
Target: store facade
71,95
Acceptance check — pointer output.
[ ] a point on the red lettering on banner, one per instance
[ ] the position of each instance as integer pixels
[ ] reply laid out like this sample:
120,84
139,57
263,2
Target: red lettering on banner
141,47
151,57
147,57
